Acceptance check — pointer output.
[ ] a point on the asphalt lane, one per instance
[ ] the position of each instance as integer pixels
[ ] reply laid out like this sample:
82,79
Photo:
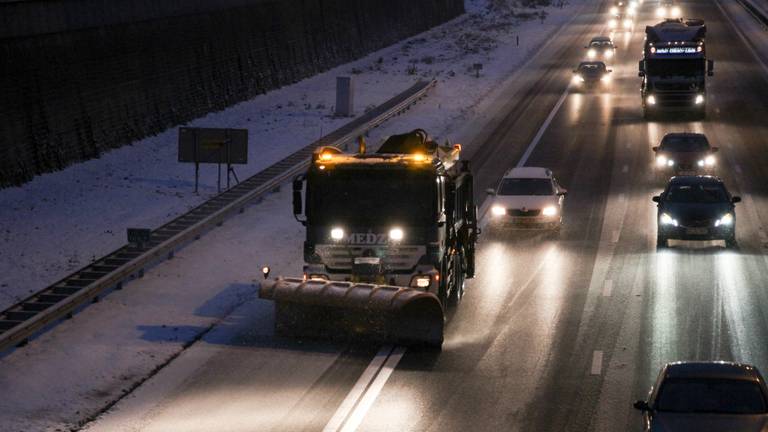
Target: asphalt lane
573,348
553,334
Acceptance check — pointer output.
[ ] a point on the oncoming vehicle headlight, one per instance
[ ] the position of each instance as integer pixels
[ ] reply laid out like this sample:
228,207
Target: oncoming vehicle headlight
651,99
627,23
614,10
591,53
498,210
396,234
578,79
661,160
699,99
727,220
666,219
661,12
675,12
605,78
631,12
612,23
608,53
549,211
709,160
337,233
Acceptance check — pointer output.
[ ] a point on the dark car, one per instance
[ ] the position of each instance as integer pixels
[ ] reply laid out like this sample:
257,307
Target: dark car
600,47
696,208
591,73
685,154
706,397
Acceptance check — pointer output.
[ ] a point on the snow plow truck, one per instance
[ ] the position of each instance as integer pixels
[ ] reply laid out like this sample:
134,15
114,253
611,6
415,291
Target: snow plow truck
390,240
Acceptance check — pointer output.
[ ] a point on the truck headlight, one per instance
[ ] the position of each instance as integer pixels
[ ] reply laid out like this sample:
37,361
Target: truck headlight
337,233
661,160
498,210
591,53
651,99
421,281
396,234
710,160
726,220
699,99
666,219
549,211
661,12
675,12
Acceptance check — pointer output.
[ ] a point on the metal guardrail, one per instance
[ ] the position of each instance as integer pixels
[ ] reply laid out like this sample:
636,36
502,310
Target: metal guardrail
756,12
60,300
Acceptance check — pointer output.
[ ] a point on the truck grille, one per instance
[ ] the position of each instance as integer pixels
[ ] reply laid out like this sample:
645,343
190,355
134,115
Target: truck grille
340,257
675,99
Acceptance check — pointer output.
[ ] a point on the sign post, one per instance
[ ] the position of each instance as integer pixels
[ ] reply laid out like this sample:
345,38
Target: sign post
212,145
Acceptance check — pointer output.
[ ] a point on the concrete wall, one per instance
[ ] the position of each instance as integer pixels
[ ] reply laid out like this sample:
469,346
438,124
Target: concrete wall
73,87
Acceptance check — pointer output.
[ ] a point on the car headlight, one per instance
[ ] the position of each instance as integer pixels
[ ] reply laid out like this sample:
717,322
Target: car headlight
627,23
591,53
396,234
710,160
498,210
661,160
670,163
577,79
337,233
666,219
549,211
727,220
612,23
614,10
631,11
651,100
676,12
605,78
661,12
699,99
608,53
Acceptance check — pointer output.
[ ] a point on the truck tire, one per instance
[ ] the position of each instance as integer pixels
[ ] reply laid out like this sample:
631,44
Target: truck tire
457,291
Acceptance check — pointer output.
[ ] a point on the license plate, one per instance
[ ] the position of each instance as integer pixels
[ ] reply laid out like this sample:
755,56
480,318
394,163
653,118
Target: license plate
696,231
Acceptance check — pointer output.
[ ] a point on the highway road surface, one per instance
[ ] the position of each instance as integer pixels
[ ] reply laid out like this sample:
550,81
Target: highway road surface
553,334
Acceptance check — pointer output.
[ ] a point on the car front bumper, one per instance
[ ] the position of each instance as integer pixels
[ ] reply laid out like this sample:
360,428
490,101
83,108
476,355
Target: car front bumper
697,233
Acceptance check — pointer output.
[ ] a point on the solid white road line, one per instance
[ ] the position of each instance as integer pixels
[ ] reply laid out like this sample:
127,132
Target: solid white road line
358,389
607,288
373,391
543,128
597,363
744,39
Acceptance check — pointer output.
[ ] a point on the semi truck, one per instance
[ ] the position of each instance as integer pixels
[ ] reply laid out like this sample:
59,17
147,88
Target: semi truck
674,68
390,240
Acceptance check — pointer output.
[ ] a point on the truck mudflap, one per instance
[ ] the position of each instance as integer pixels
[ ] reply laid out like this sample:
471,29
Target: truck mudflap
333,309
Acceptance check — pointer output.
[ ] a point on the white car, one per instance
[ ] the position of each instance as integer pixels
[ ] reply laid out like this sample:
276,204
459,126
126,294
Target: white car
528,197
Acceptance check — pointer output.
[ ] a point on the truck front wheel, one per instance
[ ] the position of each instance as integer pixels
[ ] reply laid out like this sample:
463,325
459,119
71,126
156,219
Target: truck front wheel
457,291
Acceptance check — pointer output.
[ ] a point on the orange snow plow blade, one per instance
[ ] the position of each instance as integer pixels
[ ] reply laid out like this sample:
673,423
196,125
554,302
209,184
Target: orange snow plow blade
319,308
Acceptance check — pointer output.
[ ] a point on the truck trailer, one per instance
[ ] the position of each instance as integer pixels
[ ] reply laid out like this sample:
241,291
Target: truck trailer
674,68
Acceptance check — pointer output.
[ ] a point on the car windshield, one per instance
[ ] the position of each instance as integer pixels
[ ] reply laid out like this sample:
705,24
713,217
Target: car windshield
704,395
697,193
601,44
685,143
526,186
675,67
591,67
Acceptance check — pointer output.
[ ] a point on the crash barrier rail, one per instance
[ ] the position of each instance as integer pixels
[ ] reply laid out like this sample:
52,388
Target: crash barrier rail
60,300
756,12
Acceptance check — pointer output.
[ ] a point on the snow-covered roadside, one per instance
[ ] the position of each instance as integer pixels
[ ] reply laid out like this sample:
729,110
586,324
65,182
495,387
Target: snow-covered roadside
59,222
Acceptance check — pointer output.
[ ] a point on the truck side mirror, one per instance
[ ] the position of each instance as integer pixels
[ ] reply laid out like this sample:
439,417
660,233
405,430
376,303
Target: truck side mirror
610,70
710,67
656,199
655,148
298,185
736,199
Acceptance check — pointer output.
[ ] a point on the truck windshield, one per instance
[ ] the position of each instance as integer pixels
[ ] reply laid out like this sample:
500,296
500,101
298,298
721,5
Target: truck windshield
675,67
685,143
372,197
